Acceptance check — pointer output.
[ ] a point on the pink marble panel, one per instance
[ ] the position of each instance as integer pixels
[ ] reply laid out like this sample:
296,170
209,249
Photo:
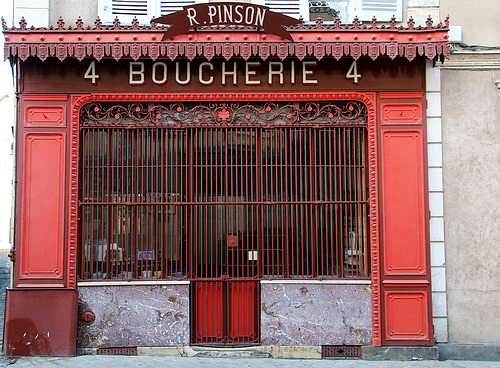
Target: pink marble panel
135,316
315,314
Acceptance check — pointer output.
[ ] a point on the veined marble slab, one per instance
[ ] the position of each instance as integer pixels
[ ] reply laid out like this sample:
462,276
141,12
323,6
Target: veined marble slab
311,314
152,315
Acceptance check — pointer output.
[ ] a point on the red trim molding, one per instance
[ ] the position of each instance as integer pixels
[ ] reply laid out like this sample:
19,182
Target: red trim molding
73,206
374,225
316,41
40,97
369,99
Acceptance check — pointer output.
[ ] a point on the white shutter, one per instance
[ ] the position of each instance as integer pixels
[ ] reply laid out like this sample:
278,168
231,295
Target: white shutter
383,10
171,6
292,8
126,10
36,13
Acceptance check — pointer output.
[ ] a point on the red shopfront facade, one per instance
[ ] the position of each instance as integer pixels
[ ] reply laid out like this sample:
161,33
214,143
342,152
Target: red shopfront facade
222,188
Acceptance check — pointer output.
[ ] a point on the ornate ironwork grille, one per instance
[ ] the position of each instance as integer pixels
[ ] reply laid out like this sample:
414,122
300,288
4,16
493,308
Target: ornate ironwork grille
223,191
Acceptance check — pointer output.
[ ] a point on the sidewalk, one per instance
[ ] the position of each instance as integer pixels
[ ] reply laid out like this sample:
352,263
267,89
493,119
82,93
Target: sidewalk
5,264
103,361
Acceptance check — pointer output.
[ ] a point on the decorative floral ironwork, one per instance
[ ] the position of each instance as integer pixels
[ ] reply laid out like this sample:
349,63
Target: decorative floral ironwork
223,113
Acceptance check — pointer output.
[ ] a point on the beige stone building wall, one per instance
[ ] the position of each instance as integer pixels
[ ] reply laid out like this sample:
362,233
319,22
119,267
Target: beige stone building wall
70,10
471,167
419,10
479,20
470,83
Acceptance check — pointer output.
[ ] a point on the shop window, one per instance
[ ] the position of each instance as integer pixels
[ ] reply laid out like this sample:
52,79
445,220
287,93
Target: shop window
220,191
365,10
293,8
346,10
144,10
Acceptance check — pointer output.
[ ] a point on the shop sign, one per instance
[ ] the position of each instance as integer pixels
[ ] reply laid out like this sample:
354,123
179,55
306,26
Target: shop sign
232,14
205,73
217,74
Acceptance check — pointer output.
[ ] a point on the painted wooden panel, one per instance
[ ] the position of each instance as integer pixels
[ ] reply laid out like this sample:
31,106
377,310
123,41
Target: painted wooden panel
209,311
242,296
43,191
403,203
397,113
406,315
40,321
45,116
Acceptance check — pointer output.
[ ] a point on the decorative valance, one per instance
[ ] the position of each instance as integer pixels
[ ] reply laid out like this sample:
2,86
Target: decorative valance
316,40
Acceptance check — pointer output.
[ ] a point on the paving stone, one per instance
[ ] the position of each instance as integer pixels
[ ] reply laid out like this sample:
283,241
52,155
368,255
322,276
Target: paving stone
186,362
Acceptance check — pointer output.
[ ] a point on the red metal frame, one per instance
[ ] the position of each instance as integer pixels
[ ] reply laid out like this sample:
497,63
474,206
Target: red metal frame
129,151
368,99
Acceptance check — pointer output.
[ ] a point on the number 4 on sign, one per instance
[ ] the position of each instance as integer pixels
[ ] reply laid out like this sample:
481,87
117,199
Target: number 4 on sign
90,74
353,73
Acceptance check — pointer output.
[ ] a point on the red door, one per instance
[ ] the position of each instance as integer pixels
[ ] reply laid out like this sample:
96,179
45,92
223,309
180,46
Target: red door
225,312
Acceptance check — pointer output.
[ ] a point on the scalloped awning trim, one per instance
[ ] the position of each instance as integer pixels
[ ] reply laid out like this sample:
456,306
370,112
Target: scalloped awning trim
316,41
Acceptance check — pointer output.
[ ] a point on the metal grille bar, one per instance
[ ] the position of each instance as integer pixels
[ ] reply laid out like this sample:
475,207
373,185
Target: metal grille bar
341,351
224,202
117,351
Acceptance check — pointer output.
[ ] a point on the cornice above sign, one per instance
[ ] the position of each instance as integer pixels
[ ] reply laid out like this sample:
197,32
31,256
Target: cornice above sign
231,14
315,40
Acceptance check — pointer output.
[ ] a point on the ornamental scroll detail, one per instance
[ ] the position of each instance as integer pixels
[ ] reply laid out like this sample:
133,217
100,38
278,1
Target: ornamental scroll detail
177,114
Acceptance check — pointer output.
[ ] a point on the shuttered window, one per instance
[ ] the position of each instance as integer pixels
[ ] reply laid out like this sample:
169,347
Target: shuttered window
365,10
167,7
126,10
292,8
383,10
144,10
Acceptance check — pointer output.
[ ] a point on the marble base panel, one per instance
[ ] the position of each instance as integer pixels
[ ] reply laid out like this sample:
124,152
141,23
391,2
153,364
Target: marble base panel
314,314
135,316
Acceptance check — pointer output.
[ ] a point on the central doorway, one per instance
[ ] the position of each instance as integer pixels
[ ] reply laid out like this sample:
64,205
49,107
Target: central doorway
225,215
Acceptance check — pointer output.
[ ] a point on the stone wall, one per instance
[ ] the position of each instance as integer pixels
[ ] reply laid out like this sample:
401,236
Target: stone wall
297,314
135,316
292,314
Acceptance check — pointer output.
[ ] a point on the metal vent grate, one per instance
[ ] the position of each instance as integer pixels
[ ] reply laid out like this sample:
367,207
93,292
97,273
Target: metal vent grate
340,351
117,351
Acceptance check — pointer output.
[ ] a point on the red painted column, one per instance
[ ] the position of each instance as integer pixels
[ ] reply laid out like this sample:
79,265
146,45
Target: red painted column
41,309
405,273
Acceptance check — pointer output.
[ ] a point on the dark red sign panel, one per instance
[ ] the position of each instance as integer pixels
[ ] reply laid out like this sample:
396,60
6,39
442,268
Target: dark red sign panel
202,76
236,14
